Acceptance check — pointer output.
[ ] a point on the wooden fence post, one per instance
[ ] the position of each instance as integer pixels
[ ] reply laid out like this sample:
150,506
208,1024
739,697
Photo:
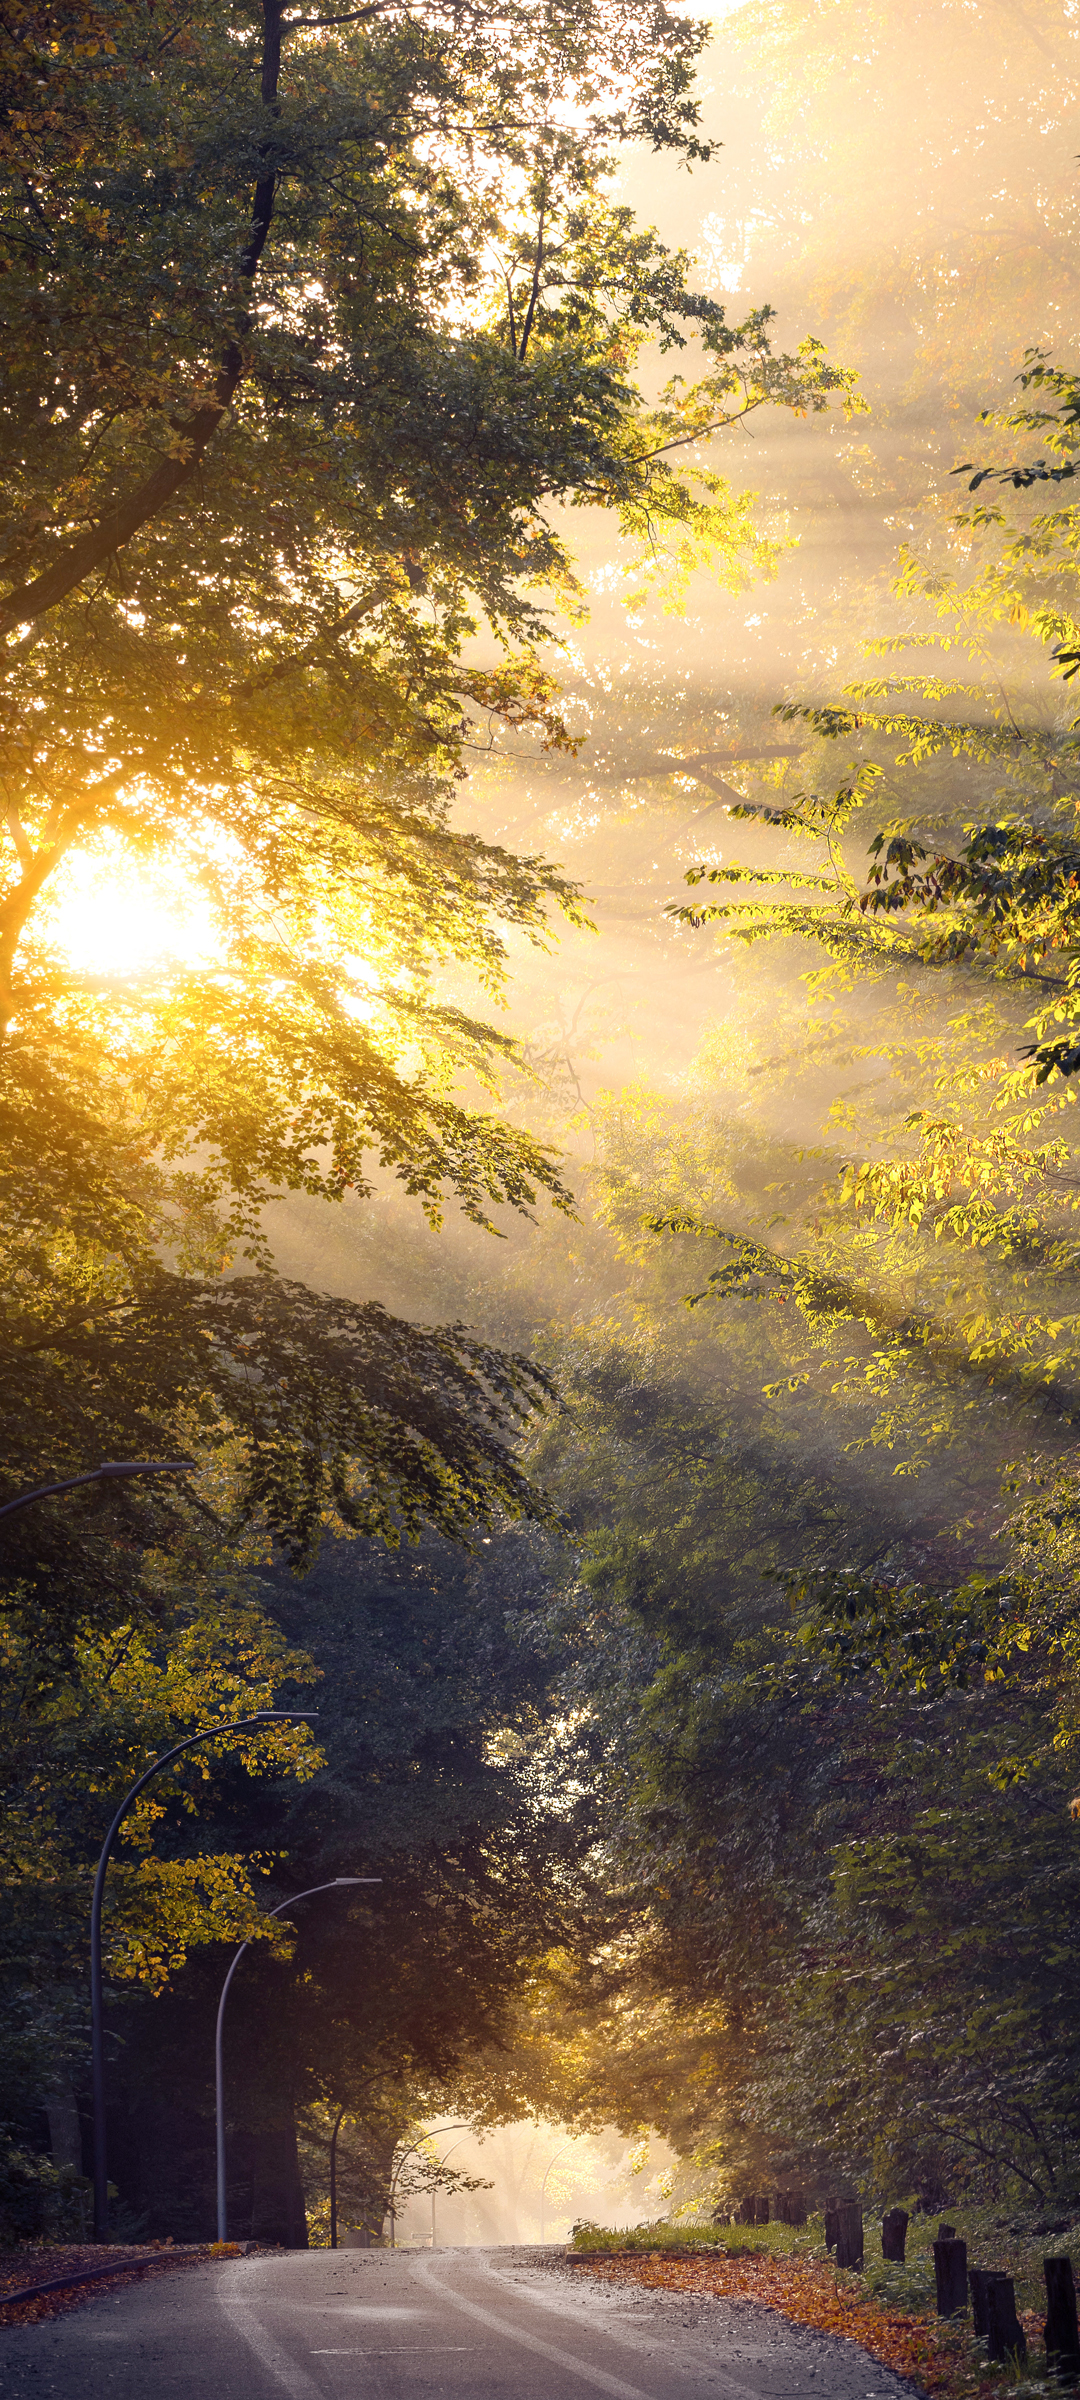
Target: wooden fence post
1062,2336
849,2234
1004,2332
978,2278
950,2275
761,2209
894,2225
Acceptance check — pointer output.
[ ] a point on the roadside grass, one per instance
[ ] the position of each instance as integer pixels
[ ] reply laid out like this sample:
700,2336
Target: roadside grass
889,2309
1015,2244
696,2234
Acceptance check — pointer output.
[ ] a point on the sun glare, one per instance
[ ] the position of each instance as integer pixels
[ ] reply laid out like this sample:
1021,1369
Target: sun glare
112,918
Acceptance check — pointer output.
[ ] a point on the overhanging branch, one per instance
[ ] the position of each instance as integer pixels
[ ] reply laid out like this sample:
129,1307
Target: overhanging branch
120,523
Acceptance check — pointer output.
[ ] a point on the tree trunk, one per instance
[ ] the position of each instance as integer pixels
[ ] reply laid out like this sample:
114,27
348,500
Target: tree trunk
277,2207
951,2276
894,2225
65,2131
1062,2336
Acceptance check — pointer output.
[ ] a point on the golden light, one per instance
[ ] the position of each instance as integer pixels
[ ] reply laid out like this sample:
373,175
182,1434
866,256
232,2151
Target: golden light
111,915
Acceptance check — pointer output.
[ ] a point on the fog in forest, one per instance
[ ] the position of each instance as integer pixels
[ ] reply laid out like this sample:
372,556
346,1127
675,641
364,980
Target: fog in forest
881,202
680,1644
533,2183
885,203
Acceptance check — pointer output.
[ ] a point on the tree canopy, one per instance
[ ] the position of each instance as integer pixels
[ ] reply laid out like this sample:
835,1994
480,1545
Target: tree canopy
313,324
669,1502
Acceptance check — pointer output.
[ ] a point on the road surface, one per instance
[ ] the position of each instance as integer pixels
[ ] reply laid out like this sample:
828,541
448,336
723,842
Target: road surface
410,2325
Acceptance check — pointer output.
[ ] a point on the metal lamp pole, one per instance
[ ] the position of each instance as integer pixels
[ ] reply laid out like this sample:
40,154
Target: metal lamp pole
113,1470
337,1884
210,1733
407,2154
552,2162
442,2162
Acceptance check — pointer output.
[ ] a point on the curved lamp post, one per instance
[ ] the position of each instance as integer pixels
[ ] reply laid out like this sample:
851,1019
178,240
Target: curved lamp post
113,1469
552,2162
442,2162
210,1733
402,2163
337,1884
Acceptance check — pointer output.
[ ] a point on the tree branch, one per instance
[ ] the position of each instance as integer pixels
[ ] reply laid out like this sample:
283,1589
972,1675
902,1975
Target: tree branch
170,475
19,836
116,528
356,16
329,633
538,265
1012,8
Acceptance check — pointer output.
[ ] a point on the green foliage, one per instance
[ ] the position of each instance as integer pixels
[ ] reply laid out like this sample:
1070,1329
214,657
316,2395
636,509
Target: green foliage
441,1771
78,1728
31,2196
925,2041
953,1142
307,326
836,1766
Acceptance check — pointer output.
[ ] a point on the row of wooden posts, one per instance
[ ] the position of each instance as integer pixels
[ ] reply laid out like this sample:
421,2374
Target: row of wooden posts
992,2294
755,2210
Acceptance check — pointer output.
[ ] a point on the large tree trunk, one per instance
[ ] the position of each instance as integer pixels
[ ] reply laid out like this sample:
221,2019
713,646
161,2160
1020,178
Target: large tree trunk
277,2204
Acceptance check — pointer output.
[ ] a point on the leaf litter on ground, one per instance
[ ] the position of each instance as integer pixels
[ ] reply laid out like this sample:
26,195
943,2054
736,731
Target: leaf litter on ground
888,2312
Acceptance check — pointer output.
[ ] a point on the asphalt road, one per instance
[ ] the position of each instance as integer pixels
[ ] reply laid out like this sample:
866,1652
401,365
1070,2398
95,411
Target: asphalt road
408,2325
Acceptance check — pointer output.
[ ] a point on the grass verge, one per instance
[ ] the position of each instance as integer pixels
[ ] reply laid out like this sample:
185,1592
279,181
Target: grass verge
889,2310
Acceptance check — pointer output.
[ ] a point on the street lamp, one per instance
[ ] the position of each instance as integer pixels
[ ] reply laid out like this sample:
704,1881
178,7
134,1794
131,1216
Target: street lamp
112,1470
552,2162
441,2163
407,2154
338,1883
210,1733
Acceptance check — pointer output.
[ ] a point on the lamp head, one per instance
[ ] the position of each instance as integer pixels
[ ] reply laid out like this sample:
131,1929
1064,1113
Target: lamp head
146,1466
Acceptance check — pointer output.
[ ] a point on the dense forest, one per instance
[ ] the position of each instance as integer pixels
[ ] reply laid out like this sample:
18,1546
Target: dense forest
539,1020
